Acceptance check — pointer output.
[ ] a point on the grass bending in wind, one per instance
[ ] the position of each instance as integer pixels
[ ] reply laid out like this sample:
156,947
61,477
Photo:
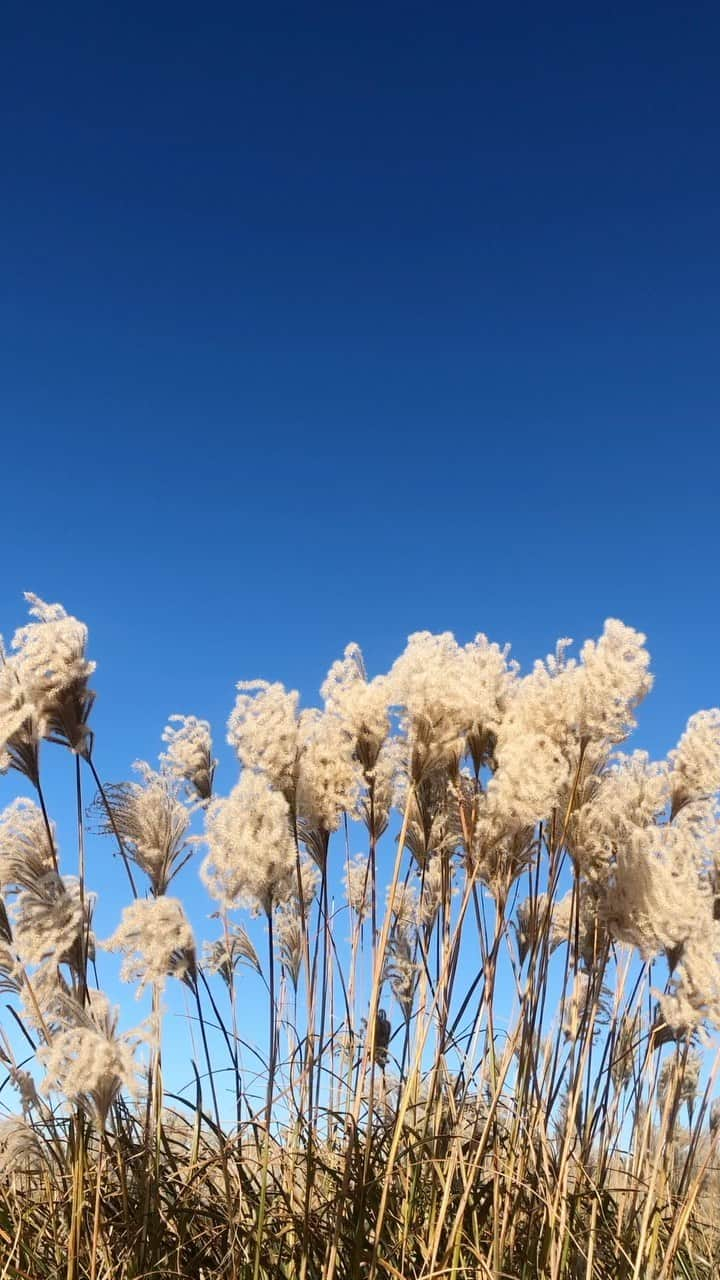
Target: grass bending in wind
489,1044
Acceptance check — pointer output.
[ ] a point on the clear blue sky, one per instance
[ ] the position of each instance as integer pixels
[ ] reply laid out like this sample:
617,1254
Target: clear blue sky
334,322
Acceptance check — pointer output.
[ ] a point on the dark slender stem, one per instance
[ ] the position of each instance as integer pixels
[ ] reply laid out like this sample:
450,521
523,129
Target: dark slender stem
111,818
201,1019
373,871
46,820
84,915
232,1048
272,1044
323,984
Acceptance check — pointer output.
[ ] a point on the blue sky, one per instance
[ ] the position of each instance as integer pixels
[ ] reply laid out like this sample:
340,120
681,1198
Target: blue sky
334,322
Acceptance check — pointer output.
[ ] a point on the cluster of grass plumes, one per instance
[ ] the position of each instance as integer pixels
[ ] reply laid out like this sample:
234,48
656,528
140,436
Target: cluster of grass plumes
487,1043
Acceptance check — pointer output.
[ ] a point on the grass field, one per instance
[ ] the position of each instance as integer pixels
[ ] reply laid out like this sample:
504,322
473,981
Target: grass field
492,1058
